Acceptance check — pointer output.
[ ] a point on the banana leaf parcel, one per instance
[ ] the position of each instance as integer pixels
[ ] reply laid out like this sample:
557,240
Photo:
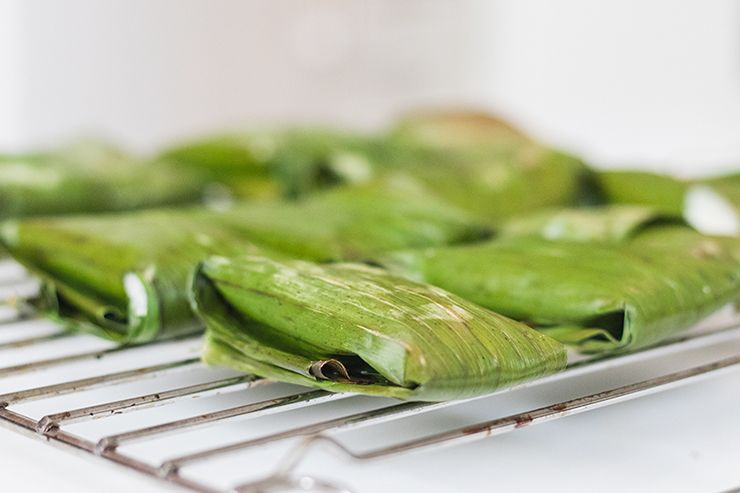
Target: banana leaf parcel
283,163
481,163
712,205
124,276
89,177
604,224
354,328
485,166
498,183
293,162
596,296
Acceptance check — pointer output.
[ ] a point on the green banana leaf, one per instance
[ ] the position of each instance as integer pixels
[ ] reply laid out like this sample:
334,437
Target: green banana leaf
283,163
606,224
498,183
124,276
711,205
354,328
480,162
119,276
494,173
727,185
661,192
354,223
293,162
89,177
598,297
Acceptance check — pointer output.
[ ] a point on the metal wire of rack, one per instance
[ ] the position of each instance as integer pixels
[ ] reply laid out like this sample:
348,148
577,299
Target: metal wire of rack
55,427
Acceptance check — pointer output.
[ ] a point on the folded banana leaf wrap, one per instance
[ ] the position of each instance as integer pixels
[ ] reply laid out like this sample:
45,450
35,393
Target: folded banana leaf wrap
284,163
354,223
353,328
605,224
482,163
500,182
89,177
485,166
712,205
597,296
293,162
124,276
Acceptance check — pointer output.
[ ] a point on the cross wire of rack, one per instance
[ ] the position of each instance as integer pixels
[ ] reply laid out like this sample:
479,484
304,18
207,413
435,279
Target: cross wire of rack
52,427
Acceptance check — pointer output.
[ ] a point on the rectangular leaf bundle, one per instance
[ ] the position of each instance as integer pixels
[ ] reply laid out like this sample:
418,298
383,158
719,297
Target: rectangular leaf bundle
599,224
480,162
89,177
483,166
289,162
124,276
711,205
500,183
354,328
598,296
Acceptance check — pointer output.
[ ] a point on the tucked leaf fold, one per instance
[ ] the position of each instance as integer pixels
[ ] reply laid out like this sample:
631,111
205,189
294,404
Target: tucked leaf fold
596,296
353,328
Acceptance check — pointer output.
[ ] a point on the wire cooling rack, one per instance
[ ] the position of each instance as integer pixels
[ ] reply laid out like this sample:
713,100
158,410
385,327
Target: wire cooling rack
96,389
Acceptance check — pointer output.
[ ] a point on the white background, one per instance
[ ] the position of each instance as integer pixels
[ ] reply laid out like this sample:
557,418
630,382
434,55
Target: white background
654,84
642,83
